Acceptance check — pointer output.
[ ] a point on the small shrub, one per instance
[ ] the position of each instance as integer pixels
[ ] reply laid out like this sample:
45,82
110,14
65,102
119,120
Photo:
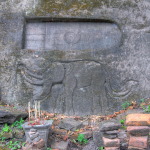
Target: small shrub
18,124
81,139
6,128
14,145
146,108
101,148
122,121
125,105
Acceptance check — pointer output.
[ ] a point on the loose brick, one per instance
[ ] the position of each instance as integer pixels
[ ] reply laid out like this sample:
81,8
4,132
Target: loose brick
112,148
138,120
138,130
111,142
140,142
134,148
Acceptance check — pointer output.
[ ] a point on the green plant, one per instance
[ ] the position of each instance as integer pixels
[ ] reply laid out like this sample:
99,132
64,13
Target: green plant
18,124
146,108
24,143
122,121
6,128
48,149
101,148
81,139
14,145
125,105
2,138
142,100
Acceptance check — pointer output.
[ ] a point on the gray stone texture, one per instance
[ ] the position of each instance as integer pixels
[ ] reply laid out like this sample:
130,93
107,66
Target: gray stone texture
76,57
10,117
70,124
110,126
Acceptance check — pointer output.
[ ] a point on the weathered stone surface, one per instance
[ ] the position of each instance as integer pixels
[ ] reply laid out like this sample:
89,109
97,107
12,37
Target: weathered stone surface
90,146
97,138
138,120
138,130
8,135
140,142
40,144
70,124
113,132
109,126
19,134
87,134
74,36
111,142
76,79
10,117
112,148
110,136
122,135
62,145
135,148
59,131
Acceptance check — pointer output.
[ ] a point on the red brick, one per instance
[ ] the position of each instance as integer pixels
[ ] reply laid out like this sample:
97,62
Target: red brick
138,130
111,142
134,148
112,148
140,142
138,120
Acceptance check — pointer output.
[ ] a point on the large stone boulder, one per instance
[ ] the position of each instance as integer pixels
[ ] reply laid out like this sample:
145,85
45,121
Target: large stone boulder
10,117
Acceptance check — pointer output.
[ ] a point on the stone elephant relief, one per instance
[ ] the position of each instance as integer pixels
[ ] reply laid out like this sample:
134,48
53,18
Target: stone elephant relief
73,87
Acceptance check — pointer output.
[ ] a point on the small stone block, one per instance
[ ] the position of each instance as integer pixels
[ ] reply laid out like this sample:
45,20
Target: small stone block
111,142
114,132
62,145
110,126
112,148
138,130
140,142
138,120
110,136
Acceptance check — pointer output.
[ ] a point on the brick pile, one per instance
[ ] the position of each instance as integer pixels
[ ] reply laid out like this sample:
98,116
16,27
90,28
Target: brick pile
110,132
136,137
138,131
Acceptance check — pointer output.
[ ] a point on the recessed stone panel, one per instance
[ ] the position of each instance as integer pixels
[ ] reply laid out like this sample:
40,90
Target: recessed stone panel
72,35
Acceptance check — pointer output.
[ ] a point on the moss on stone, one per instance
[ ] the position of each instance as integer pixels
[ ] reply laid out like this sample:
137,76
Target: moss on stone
75,7
68,7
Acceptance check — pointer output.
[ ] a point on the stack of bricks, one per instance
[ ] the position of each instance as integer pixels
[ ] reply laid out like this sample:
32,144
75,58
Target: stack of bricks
138,131
110,132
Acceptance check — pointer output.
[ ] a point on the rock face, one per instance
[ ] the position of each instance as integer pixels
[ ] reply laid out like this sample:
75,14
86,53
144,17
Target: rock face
77,58
11,117
70,124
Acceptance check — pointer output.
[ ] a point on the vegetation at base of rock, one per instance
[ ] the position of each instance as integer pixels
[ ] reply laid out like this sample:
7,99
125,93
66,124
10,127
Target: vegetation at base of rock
18,124
6,128
14,145
81,139
122,121
101,148
125,105
146,108
10,142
